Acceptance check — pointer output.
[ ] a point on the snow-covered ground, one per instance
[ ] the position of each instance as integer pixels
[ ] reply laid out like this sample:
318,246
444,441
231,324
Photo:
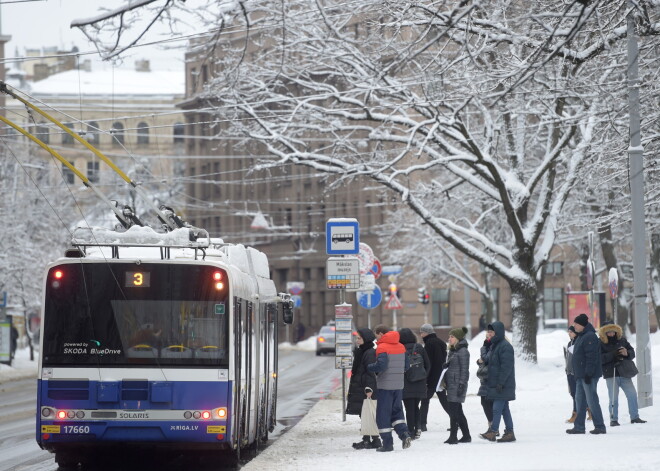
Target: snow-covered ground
321,441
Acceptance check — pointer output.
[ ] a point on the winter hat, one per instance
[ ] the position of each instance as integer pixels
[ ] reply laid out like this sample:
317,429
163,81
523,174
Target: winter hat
572,329
582,319
427,329
459,333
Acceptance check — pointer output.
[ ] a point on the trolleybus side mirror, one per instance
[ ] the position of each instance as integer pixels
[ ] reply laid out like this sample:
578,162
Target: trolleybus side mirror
287,308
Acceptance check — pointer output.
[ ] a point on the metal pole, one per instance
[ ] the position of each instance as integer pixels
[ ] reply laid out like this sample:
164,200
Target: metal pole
636,175
466,294
342,299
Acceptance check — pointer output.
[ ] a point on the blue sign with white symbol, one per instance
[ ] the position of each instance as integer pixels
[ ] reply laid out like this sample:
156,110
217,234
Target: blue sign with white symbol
342,236
297,300
370,299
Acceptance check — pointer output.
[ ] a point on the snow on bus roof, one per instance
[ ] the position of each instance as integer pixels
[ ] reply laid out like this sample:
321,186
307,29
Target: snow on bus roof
136,236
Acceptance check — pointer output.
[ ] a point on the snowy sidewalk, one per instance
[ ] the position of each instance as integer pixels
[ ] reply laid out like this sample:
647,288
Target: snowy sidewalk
321,441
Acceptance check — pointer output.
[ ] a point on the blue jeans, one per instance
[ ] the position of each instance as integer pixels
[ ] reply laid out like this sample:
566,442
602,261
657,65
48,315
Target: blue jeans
631,394
586,395
501,409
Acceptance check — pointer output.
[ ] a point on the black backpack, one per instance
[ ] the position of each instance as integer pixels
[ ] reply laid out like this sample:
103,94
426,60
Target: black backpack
416,372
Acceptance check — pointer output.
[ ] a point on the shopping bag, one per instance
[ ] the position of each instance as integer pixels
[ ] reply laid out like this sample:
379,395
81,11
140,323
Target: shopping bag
368,416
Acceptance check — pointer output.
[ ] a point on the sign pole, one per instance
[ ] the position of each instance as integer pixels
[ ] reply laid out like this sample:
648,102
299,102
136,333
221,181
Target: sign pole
342,300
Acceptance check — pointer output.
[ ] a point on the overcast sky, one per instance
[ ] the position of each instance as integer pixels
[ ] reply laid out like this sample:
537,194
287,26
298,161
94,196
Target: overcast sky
43,23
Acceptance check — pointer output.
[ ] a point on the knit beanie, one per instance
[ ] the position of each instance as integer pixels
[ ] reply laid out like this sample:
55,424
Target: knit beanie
572,329
459,333
427,329
582,319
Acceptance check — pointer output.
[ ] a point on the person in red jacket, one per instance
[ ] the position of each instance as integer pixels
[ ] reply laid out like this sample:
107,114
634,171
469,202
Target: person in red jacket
390,365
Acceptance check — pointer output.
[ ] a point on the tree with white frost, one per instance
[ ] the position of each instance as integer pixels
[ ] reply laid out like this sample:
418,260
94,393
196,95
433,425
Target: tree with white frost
479,115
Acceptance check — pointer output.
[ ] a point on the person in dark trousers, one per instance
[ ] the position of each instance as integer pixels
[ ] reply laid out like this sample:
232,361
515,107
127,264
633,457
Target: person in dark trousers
570,374
363,355
436,350
456,380
588,369
501,383
390,365
13,342
482,374
614,350
413,391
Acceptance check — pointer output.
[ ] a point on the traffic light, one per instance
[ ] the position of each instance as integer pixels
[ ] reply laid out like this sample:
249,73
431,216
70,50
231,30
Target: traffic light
422,295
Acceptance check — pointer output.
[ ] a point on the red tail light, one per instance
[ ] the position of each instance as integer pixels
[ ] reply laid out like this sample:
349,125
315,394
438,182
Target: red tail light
58,275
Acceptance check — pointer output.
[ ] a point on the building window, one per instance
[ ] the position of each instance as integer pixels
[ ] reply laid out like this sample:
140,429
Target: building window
66,137
554,268
43,135
93,133
67,174
440,298
117,134
179,132
142,134
495,296
553,303
93,172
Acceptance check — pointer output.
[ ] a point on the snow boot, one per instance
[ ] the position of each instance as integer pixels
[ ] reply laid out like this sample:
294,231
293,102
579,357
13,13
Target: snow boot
572,419
361,445
614,423
637,421
507,437
374,443
406,441
490,435
385,448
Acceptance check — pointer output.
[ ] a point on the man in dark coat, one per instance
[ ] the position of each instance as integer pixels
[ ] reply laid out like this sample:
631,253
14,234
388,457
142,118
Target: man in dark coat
501,383
588,369
436,349
363,355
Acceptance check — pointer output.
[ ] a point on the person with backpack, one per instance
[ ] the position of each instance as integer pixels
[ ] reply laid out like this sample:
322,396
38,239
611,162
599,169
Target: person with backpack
436,350
414,380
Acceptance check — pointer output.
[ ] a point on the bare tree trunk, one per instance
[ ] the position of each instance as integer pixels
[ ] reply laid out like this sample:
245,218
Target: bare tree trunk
611,261
523,309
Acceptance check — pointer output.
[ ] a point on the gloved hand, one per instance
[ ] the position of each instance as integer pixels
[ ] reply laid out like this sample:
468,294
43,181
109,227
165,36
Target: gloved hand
498,388
587,379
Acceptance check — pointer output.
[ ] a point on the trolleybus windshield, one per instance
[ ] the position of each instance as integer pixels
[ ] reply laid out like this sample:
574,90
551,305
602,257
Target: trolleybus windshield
124,314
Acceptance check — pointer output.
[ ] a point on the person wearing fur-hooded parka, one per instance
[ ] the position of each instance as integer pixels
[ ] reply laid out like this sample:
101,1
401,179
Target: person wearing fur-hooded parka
615,349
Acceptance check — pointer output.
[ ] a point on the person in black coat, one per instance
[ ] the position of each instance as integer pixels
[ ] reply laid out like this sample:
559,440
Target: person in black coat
482,374
570,375
361,378
436,350
501,382
413,392
614,350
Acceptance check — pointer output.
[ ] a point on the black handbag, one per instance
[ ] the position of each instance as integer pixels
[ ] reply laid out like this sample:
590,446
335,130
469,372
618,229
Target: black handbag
626,368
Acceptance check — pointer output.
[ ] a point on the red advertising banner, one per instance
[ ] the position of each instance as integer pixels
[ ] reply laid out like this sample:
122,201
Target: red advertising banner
578,302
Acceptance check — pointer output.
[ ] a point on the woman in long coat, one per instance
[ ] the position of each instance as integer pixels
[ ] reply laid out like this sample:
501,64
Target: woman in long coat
414,392
361,379
456,381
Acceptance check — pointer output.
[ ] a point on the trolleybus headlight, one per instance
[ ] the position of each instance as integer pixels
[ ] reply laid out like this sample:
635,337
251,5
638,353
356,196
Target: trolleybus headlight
217,276
220,413
206,415
71,414
47,412
219,285
61,414
197,414
187,414
80,414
